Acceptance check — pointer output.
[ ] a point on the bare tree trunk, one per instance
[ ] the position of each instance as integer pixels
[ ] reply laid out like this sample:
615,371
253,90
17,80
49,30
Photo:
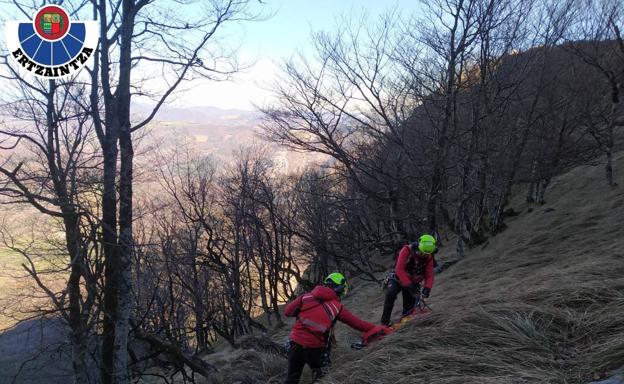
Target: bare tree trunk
609,138
111,254
609,166
79,306
479,226
541,190
78,316
201,337
108,136
464,195
503,199
80,353
531,192
126,247
119,256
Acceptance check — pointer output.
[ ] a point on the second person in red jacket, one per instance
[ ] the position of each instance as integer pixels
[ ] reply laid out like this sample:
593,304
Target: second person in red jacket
414,267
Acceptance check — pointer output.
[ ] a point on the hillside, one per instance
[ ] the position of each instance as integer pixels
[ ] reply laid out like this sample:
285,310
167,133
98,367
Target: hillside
540,303
220,133
543,302
35,349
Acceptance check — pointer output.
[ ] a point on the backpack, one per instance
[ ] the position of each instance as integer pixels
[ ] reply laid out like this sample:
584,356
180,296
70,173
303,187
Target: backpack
313,325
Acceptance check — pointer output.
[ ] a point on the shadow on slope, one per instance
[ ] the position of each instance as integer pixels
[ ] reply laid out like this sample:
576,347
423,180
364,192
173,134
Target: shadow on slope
35,351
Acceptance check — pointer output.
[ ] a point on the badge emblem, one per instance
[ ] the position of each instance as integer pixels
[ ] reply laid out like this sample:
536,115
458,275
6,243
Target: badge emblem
51,45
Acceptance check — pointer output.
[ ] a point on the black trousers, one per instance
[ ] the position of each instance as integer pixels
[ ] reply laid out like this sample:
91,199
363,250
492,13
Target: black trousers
299,356
409,301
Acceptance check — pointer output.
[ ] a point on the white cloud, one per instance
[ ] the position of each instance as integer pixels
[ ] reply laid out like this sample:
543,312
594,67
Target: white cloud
245,89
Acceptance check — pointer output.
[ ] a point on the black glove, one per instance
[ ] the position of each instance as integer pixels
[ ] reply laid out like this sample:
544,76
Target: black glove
414,289
425,292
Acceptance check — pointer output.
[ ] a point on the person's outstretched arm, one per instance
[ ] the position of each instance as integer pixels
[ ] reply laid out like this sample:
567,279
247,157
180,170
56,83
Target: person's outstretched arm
353,321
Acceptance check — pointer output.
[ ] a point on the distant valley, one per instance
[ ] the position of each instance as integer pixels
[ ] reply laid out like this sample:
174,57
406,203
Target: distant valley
219,133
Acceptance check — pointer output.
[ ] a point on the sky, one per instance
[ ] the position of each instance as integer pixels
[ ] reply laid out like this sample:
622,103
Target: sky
267,43
263,45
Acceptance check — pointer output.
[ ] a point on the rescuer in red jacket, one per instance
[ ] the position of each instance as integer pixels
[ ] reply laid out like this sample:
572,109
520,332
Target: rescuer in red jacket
414,265
317,312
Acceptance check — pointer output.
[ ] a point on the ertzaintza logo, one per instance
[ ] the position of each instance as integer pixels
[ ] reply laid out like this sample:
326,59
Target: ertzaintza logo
51,46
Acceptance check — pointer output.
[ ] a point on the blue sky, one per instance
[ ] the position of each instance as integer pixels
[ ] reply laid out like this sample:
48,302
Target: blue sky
269,42
290,28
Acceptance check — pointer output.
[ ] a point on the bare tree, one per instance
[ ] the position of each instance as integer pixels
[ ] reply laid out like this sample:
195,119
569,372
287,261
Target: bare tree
596,38
50,162
135,35
139,41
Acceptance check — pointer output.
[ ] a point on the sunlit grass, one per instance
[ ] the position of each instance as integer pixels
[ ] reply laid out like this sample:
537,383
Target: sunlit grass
18,290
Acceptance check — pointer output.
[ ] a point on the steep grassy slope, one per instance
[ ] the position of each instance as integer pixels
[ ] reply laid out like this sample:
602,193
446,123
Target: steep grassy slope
543,302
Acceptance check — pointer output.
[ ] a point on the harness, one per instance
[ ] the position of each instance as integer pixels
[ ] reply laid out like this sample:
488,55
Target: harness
417,267
332,312
414,267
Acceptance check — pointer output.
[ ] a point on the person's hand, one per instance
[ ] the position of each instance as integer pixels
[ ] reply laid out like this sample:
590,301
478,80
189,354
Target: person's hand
387,330
426,292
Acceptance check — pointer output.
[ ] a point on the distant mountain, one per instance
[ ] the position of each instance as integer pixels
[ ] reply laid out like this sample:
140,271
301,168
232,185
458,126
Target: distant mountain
218,132
198,114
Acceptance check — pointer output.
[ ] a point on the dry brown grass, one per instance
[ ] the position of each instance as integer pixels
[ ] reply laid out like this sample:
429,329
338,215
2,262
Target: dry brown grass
543,302
516,341
248,367
240,366
20,297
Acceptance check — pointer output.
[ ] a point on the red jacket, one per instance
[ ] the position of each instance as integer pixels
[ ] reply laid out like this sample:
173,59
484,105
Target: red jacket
411,267
316,312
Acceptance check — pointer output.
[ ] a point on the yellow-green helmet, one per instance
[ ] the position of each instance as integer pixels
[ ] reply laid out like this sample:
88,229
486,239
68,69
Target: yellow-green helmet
337,282
427,244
